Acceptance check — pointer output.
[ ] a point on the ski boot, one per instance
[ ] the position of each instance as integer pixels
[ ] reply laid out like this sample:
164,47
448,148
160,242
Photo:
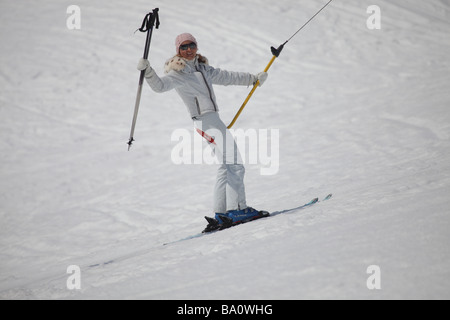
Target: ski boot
246,215
232,218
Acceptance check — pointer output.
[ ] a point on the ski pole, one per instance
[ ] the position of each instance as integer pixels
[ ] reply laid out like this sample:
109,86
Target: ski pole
276,54
147,26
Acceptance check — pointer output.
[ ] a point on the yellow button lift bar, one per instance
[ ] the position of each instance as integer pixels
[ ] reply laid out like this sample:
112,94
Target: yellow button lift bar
276,53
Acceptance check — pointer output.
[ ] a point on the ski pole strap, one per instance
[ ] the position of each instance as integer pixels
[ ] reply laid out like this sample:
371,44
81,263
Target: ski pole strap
149,21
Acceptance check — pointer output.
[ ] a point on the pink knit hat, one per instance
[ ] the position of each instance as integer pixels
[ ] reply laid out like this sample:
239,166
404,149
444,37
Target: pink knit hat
182,38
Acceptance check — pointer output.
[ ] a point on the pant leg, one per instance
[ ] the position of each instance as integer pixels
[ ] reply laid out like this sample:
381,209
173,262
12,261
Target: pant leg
220,138
235,192
220,190
229,190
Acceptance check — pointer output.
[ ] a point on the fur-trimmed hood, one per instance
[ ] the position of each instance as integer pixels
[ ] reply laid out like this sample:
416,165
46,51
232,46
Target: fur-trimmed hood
178,63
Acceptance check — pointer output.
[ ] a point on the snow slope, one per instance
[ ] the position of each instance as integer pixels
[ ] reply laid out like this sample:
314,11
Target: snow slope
362,113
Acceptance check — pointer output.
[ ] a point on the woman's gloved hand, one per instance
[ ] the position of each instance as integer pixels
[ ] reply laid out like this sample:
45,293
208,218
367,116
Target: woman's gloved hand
144,64
261,77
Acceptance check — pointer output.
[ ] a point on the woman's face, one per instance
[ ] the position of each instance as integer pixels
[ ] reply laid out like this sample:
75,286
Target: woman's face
188,50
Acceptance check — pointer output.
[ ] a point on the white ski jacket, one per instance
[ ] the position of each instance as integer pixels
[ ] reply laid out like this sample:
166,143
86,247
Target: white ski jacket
194,80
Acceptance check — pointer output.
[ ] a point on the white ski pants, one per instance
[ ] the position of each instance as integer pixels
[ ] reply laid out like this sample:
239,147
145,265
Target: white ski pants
229,191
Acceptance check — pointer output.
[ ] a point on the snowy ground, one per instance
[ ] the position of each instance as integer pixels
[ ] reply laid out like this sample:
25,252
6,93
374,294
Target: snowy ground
363,114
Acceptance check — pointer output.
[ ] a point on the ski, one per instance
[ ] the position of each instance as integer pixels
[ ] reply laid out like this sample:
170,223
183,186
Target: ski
275,213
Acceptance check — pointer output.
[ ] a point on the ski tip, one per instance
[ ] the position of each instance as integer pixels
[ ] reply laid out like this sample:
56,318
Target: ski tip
328,197
313,201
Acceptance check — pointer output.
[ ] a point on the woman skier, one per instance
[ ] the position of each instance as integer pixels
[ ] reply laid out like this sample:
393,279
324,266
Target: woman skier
193,78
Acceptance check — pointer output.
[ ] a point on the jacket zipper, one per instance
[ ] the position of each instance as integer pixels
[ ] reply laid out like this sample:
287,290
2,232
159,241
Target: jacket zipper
209,89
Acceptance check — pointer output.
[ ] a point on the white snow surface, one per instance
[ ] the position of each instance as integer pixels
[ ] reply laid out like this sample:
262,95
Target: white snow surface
363,114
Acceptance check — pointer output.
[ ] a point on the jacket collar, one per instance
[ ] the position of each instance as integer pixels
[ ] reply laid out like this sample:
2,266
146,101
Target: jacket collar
178,63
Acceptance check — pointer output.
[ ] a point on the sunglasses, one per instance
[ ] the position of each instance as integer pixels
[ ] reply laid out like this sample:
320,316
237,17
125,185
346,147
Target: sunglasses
191,45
